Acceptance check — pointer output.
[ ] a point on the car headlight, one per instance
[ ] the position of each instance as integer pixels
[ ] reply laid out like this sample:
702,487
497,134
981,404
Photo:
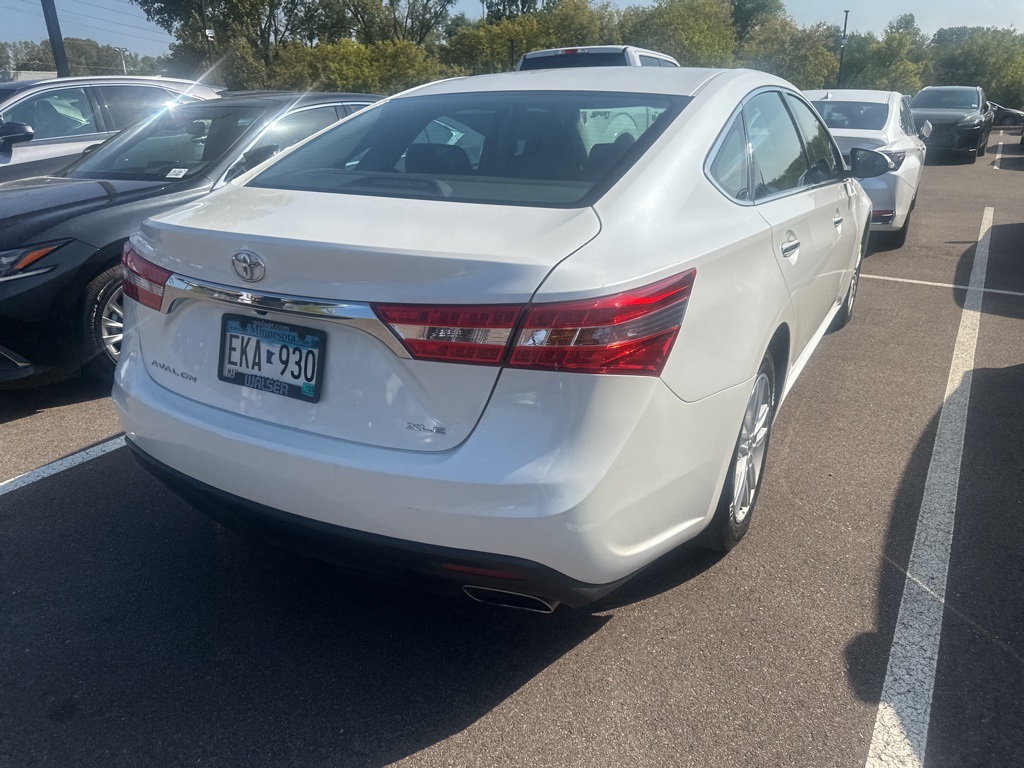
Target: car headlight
18,261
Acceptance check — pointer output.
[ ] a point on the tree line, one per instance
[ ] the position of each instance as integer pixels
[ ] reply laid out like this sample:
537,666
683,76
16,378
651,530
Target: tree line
387,45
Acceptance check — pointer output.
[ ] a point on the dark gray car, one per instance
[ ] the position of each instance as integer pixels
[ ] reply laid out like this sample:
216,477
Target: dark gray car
61,236
961,119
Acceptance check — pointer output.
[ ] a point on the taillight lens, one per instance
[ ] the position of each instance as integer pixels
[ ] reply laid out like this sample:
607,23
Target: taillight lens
630,332
896,157
627,333
143,280
452,334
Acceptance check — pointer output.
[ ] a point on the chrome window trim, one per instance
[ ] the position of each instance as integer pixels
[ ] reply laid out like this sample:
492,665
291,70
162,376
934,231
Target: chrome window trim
358,315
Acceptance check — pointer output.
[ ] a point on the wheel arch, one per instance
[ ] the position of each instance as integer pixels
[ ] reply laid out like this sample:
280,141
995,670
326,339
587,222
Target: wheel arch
780,350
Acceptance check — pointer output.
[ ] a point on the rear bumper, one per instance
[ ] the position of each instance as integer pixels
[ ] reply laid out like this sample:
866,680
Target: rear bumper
604,479
385,557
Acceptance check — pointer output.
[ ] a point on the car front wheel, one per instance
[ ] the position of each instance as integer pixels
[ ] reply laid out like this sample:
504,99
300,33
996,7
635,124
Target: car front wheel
102,323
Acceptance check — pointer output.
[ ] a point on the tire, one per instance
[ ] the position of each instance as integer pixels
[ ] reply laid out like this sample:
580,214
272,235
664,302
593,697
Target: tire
102,324
743,480
845,313
983,148
898,238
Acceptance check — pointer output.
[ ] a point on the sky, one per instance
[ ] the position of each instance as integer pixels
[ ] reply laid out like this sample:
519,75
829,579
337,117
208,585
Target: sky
119,23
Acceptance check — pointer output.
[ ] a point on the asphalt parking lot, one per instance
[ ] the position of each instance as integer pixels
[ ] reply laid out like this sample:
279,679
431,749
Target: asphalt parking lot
872,617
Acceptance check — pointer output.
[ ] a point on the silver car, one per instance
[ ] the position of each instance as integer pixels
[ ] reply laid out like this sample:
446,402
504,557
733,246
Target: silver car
45,124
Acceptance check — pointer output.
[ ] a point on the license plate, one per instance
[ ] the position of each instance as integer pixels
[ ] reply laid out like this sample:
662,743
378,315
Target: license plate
272,357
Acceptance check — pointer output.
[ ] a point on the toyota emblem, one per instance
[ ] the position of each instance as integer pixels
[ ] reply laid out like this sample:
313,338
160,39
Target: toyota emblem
248,266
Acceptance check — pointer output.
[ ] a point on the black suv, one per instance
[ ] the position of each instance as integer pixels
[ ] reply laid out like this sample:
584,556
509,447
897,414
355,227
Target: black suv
961,118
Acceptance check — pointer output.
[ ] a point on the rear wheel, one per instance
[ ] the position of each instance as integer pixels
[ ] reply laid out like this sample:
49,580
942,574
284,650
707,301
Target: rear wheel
743,481
845,313
102,323
899,237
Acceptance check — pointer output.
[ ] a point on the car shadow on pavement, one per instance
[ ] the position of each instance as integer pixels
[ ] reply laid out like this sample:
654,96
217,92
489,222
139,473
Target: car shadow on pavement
979,688
1005,272
18,404
135,631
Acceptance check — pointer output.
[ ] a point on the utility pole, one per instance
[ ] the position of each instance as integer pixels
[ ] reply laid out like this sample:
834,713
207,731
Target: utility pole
208,34
842,50
60,56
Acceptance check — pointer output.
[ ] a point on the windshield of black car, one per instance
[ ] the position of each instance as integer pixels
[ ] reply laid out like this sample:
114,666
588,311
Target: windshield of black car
853,115
548,148
943,99
177,143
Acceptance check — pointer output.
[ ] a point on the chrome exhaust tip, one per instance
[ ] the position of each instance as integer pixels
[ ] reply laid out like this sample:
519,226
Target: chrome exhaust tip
505,599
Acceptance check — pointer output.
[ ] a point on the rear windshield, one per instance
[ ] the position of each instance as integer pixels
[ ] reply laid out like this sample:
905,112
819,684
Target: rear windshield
853,115
550,148
946,99
579,59
178,143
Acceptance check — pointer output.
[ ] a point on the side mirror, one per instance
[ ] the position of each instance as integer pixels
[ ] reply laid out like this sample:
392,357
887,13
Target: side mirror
925,130
866,163
14,133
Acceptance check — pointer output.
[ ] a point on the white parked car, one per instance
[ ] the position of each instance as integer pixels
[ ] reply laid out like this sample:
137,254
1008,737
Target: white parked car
595,56
452,338
880,120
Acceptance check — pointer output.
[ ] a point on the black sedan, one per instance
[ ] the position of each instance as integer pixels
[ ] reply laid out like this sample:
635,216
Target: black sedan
961,119
1006,116
61,236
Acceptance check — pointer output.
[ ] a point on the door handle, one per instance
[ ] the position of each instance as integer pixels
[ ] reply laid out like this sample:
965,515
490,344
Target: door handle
838,221
790,247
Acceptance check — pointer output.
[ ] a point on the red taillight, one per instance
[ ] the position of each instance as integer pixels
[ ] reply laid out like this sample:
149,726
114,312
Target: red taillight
143,281
631,332
896,157
452,334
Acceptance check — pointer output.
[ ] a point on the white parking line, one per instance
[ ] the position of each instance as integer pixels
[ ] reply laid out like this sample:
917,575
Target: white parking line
999,155
901,725
61,464
940,285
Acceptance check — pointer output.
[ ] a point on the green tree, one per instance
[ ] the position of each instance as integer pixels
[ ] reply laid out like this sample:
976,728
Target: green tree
746,14
803,55
987,56
695,32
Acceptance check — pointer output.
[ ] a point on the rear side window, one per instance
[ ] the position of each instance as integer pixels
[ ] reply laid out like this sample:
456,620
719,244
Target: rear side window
127,104
730,167
522,148
649,61
779,161
907,120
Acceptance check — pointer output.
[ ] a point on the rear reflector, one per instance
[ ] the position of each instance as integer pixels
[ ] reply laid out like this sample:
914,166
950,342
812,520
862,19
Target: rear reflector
143,281
629,333
490,573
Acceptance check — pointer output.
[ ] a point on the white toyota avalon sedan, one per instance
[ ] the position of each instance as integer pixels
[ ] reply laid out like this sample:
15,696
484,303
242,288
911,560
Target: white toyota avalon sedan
880,120
516,334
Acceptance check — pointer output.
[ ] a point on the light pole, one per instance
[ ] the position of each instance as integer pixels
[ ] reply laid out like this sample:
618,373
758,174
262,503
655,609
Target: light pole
123,65
842,50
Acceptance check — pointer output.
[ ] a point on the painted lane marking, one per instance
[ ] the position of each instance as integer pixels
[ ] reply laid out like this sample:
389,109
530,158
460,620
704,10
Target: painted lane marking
999,155
941,285
901,725
60,465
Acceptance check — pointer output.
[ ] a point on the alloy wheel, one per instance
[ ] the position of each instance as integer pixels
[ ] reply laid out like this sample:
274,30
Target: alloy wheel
112,324
750,450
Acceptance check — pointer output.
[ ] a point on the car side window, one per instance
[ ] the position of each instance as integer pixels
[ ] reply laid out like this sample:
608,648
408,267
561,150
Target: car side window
820,152
649,61
730,167
780,164
297,126
127,104
907,120
55,113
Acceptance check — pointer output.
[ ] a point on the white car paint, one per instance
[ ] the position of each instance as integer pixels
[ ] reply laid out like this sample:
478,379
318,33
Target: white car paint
897,136
591,475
